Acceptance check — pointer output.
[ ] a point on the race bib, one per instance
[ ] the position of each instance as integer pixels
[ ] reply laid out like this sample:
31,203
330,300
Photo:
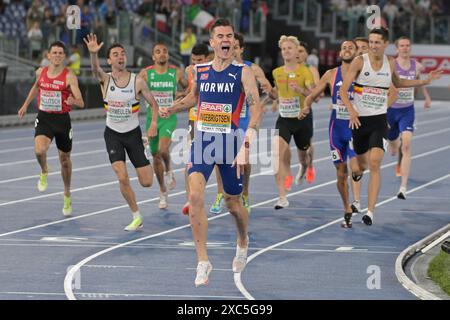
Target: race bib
163,98
119,111
341,112
405,96
335,155
289,107
215,117
50,101
374,98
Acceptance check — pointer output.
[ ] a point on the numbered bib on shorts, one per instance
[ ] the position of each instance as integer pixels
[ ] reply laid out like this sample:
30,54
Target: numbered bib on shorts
215,117
405,96
119,111
50,101
335,155
341,112
289,107
374,98
163,98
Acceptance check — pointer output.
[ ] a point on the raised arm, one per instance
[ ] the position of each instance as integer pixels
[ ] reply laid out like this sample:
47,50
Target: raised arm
94,48
75,99
354,70
404,83
31,95
320,87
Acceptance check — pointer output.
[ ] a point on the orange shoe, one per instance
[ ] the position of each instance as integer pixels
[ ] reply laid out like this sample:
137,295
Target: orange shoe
185,209
398,172
310,174
288,182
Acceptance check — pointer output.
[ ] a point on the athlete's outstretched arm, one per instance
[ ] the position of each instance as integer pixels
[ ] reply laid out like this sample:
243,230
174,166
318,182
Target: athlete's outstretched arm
142,89
94,47
31,95
183,104
320,87
261,78
354,70
419,69
404,83
75,99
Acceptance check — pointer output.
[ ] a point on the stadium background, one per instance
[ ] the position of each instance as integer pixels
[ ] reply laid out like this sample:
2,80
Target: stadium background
138,24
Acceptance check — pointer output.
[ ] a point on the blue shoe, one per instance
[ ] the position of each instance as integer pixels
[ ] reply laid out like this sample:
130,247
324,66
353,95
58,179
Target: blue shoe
217,206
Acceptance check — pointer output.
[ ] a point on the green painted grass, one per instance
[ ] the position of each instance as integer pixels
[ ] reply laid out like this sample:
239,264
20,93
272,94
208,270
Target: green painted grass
439,271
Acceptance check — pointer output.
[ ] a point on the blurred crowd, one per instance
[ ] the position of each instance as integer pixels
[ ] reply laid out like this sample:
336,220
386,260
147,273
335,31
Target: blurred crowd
39,22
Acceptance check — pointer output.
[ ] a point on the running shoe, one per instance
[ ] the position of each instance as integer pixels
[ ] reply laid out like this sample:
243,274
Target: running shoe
281,203
401,193
135,225
204,268
356,206
310,175
246,203
185,209
217,206
42,183
368,218
171,183
288,182
67,209
240,260
398,172
163,196
347,223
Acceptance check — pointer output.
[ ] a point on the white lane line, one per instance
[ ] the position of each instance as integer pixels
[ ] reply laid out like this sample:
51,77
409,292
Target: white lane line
123,206
5,164
107,164
125,295
253,156
52,146
175,194
135,178
237,276
56,173
103,150
69,276
183,248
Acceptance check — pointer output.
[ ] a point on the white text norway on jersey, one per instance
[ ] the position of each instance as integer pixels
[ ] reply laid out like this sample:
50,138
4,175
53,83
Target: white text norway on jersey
216,87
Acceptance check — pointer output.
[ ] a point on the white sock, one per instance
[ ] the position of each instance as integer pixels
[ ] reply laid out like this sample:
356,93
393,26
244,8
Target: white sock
136,214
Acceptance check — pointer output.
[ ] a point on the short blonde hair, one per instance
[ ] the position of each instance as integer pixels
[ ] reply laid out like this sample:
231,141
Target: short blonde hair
284,38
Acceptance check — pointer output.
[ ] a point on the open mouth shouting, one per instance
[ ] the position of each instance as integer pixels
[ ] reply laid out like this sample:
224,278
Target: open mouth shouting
226,48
